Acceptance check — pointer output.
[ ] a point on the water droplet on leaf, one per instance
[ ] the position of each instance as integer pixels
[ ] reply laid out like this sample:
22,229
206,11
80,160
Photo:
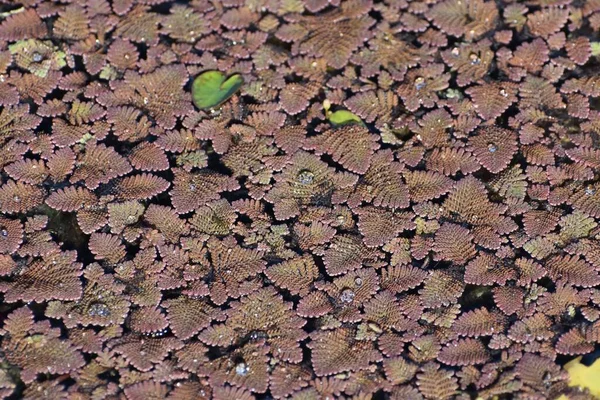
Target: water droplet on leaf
420,83
305,177
241,369
99,309
347,296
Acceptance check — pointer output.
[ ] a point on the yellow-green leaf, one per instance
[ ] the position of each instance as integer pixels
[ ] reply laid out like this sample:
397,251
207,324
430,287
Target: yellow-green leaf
212,88
584,376
343,117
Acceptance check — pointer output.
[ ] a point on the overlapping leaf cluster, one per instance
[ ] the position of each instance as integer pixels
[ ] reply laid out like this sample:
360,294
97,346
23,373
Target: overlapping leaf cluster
445,247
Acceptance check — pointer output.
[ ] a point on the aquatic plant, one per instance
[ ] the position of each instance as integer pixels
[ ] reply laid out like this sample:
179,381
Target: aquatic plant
306,200
212,88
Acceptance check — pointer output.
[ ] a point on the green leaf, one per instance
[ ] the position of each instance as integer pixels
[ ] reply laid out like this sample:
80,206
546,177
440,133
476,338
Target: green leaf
343,117
595,48
211,88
